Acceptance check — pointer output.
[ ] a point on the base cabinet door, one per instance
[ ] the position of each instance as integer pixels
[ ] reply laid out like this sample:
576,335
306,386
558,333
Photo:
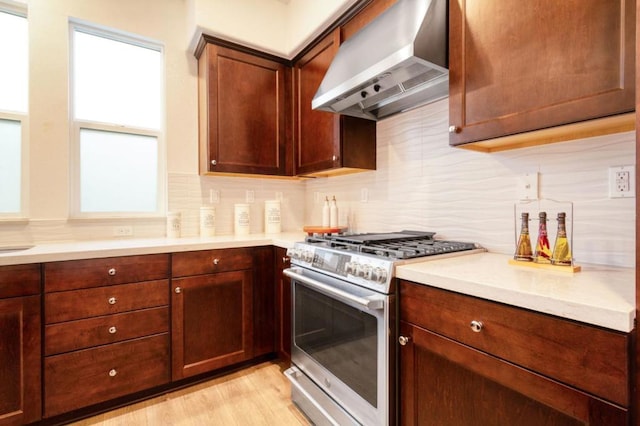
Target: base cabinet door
443,382
20,360
212,323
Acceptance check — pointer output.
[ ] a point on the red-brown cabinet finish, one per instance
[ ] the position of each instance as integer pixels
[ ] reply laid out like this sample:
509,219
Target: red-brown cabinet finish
521,367
327,143
20,343
283,305
244,104
211,310
106,331
521,66
264,301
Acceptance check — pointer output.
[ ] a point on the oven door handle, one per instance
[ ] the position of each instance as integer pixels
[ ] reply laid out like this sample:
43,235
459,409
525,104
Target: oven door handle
371,304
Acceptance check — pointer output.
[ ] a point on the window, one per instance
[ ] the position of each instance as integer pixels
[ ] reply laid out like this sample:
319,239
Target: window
117,109
14,97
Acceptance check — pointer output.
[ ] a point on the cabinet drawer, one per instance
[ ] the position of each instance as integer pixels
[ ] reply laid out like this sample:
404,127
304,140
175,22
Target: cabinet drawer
83,378
75,274
82,334
210,261
19,280
589,358
93,302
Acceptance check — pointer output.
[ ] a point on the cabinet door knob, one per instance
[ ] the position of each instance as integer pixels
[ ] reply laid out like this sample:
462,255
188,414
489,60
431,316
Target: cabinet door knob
112,271
403,340
113,372
112,330
216,261
476,326
334,158
214,163
454,129
112,300
178,290
285,259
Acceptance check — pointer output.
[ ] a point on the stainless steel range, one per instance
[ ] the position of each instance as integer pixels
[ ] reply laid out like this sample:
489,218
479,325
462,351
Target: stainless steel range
344,320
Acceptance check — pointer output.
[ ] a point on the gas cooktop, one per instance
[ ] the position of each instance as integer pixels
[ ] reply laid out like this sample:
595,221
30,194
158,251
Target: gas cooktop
392,245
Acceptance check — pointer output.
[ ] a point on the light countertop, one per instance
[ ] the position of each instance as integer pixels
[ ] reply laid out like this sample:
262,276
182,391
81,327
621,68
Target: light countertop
136,246
597,295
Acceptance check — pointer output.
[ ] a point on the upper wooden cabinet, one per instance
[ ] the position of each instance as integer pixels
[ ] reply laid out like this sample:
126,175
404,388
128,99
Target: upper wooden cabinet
244,108
327,143
518,66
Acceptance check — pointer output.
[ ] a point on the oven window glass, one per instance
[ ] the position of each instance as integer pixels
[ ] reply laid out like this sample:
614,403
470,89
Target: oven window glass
339,337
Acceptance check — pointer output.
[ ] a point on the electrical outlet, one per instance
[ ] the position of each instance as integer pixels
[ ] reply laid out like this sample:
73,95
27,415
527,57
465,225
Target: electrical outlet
250,196
364,195
622,181
122,231
528,186
279,196
214,196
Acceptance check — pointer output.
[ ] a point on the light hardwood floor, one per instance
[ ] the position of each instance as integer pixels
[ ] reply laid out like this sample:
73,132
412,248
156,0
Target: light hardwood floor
258,395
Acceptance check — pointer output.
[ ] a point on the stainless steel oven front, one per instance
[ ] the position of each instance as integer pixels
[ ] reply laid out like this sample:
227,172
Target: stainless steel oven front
341,353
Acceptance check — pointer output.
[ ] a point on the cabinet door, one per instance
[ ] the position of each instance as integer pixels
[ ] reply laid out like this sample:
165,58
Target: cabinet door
20,371
520,66
212,323
283,305
443,382
317,132
264,295
245,98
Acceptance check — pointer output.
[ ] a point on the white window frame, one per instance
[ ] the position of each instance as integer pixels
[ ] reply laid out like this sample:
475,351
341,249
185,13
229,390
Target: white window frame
77,125
19,9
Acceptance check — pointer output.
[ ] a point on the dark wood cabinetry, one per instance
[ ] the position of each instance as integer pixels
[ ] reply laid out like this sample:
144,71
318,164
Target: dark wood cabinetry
245,108
518,67
327,143
283,305
264,302
20,343
106,329
212,301
521,367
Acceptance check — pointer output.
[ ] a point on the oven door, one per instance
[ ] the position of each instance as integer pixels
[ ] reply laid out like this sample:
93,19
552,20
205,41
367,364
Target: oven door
341,338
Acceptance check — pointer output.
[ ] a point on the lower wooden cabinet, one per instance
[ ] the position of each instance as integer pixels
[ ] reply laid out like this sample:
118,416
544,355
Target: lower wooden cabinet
81,378
508,371
211,310
20,358
283,305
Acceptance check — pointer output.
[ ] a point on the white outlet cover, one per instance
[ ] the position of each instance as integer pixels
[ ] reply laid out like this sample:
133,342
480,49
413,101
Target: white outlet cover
613,187
528,186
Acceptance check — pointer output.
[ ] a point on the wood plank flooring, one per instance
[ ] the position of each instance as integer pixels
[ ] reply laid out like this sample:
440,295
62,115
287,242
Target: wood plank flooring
258,395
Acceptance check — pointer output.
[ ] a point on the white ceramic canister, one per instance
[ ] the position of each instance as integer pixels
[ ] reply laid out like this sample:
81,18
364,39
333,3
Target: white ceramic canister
242,219
207,221
174,224
272,223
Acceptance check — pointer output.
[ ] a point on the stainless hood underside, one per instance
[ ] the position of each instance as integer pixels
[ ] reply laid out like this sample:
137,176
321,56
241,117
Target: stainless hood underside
397,62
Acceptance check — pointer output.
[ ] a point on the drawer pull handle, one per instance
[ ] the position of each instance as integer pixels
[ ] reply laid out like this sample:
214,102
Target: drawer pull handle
178,290
216,261
113,372
285,260
112,271
403,340
112,330
112,300
476,326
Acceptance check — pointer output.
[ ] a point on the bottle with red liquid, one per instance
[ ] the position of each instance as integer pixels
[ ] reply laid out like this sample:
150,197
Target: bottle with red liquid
543,249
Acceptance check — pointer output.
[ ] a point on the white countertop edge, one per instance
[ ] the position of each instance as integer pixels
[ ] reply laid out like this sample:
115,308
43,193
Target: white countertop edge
617,316
52,252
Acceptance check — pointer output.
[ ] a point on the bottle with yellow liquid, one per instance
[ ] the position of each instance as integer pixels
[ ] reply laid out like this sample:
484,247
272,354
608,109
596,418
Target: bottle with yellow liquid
523,251
543,249
561,250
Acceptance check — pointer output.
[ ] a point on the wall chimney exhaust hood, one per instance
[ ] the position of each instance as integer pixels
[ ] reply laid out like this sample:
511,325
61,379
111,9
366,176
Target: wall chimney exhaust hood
395,63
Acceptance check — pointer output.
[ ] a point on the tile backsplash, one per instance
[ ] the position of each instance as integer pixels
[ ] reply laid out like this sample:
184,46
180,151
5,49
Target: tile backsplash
421,183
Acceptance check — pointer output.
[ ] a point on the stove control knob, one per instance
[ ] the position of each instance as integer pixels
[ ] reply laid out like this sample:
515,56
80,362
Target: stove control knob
350,268
307,256
382,275
359,270
293,253
368,272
